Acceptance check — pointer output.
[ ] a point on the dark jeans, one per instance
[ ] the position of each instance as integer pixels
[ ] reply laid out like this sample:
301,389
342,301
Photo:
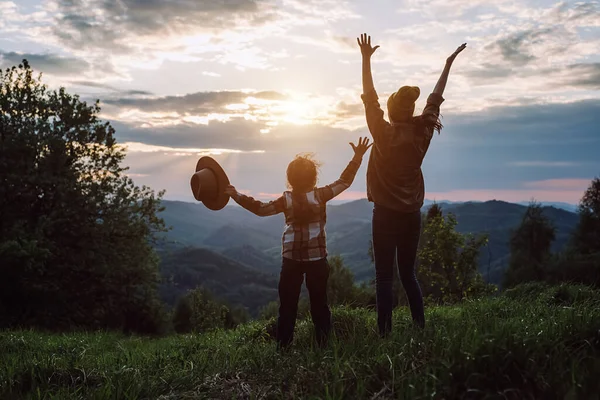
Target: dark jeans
290,284
396,235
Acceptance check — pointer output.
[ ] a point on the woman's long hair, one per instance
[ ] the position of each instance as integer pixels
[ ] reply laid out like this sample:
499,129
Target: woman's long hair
436,124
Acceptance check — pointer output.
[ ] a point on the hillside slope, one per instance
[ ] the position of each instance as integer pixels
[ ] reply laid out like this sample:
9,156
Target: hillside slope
188,268
348,231
490,348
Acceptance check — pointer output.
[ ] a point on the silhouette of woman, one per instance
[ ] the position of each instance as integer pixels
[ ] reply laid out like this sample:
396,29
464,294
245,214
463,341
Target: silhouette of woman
395,182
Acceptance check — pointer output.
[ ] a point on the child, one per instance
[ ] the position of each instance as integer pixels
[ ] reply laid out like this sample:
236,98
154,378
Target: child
304,249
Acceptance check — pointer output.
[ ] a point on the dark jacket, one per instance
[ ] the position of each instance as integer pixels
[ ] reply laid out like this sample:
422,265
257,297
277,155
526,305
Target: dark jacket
394,176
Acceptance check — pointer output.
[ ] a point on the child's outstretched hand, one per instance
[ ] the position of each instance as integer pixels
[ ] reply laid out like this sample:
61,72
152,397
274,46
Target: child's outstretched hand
363,146
230,190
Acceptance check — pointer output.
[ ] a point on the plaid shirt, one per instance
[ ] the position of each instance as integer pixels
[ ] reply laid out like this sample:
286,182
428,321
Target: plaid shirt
304,236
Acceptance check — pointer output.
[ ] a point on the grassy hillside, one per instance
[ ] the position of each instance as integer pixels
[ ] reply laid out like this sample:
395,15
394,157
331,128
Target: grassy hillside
531,343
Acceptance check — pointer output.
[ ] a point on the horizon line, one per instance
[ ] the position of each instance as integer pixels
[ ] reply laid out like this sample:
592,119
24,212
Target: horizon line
425,201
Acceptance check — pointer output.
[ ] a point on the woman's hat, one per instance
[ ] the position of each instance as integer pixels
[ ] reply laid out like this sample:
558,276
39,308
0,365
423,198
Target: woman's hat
209,183
401,104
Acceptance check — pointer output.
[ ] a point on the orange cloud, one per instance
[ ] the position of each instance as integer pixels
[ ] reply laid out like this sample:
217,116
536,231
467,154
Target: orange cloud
560,184
513,196
351,195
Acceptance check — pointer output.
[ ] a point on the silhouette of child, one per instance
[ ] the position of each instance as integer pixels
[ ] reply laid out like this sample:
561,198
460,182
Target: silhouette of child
304,249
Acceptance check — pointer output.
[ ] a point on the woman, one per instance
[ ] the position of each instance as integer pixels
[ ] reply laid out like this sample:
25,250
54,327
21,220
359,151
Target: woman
395,182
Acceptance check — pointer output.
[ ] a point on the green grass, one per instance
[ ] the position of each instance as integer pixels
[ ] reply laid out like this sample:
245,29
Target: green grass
534,342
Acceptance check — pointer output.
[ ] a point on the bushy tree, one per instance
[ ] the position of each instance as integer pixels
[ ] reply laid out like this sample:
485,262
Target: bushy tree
75,232
447,261
200,311
586,237
580,262
433,212
340,286
530,247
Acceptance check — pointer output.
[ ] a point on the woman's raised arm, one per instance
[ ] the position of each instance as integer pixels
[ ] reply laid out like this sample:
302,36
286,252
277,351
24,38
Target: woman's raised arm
441,84
367,51
373,112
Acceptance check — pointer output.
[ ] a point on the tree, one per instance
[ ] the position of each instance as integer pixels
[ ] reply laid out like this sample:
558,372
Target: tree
447,269
75,233
586,237
581,261
340,285
198,311
434,211
530,247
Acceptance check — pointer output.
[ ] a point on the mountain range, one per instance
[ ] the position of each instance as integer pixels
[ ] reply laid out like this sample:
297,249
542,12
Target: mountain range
232,241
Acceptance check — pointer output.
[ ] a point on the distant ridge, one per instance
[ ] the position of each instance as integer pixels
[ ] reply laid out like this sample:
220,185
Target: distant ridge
256,242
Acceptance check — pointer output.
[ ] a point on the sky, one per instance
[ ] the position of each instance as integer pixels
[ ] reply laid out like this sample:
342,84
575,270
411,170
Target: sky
252,83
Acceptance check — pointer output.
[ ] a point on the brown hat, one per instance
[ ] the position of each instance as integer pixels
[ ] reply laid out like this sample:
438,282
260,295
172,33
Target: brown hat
401,104
209,183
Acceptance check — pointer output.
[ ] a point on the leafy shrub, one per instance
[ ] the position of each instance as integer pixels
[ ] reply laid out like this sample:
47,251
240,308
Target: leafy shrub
199,311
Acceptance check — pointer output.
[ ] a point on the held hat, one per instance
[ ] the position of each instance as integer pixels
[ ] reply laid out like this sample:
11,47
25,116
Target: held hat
208,184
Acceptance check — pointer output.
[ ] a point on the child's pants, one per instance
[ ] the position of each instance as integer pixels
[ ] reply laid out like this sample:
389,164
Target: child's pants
290,283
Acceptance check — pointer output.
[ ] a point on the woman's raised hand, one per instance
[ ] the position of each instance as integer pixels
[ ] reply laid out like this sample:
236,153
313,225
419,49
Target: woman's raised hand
460,48
364,42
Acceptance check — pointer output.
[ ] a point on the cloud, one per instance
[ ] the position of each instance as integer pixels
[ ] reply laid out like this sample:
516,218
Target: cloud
349,110
550,164
449,8
111,88
47,63
89,24
133,147
585,76
268,109
515,48
238,134
328,40
199,103
470,160
147,33
560,184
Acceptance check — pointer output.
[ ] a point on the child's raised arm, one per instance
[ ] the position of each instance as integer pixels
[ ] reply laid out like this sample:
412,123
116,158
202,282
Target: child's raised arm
328,192
255,206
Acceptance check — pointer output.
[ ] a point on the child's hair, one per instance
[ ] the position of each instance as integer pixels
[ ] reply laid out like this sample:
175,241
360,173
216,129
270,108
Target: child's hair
302,173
